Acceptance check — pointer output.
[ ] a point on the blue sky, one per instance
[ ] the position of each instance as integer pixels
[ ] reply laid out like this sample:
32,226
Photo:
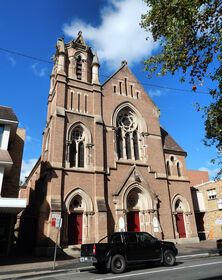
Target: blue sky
111,27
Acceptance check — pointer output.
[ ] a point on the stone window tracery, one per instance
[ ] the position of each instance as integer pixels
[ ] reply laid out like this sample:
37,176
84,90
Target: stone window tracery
76,203
127,135
132,200
77,147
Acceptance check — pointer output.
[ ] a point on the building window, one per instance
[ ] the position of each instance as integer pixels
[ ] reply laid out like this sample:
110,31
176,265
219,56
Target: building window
1,132
120,88
178,169
212,194
127,135
77,148
168,168
125,80
114,89
79,68
131,90
71,105
78,102
86,103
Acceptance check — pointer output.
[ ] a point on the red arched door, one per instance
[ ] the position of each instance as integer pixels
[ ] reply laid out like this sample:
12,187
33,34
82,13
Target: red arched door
75,228
133,221
180,225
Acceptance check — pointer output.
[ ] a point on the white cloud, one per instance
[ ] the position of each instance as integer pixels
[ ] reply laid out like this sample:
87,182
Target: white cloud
212,172
157,92
119,36
29,138
39,71
12,60
27,166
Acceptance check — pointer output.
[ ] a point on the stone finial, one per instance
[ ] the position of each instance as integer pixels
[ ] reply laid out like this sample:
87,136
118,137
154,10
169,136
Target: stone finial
124,62
95,59
60,45
95,69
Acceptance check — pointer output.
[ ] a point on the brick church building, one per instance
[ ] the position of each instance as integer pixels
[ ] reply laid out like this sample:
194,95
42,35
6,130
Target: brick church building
106,164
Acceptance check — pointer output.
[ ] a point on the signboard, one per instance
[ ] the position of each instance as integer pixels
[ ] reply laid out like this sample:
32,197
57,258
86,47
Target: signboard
56,220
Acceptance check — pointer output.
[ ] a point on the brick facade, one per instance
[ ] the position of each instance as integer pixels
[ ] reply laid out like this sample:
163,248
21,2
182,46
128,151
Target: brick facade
104,157
207,199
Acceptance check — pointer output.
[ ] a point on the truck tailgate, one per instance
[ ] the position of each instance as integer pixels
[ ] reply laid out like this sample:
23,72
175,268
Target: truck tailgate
87,250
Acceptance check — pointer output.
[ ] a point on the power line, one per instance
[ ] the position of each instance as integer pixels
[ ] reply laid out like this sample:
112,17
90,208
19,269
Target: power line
103,75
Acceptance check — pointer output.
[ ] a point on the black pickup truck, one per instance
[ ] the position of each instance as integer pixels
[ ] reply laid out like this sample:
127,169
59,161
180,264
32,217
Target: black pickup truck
124,248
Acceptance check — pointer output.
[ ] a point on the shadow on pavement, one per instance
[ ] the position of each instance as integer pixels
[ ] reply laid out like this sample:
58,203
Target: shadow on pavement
13,260
135,268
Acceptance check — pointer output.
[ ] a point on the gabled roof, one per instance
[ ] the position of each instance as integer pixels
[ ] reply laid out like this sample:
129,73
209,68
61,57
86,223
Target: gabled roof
169,143
6,113
123,64
135,80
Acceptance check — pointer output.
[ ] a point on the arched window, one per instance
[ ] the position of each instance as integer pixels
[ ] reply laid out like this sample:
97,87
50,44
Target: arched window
127,135
79,67
168,168
178,169
81,155
77,147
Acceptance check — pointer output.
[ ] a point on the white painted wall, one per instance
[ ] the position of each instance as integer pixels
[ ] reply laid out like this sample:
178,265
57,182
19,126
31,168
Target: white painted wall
200,199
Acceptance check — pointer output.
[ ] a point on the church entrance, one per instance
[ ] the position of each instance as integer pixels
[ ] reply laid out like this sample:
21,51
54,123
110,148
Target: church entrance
75,228
133,221
180,225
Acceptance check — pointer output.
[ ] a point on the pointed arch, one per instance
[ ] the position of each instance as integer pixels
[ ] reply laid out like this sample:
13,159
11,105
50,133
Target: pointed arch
79,59
139,193
79,141
86,206
130,126
141,123
178,166
168,169
181,212
184,203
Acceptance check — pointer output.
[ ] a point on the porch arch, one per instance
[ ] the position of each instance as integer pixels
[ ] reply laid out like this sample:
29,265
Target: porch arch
79,211
181,216
137,206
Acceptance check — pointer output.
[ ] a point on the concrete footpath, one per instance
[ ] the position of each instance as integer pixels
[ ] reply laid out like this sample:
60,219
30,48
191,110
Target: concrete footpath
26,267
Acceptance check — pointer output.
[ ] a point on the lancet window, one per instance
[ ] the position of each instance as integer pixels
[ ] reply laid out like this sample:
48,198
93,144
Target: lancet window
79,67
77,147
127,135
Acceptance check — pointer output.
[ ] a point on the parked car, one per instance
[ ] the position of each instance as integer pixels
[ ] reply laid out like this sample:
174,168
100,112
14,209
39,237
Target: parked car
124,248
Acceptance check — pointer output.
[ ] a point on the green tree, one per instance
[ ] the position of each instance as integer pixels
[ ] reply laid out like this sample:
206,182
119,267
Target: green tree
190,36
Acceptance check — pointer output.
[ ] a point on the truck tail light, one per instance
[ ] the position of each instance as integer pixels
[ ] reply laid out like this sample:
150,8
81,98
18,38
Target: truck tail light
94,249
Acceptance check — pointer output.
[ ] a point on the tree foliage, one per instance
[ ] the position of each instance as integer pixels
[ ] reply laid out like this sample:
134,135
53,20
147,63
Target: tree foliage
190,38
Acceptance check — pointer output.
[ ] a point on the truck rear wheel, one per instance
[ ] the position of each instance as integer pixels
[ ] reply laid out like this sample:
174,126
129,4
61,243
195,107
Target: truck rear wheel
169,258
118,264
